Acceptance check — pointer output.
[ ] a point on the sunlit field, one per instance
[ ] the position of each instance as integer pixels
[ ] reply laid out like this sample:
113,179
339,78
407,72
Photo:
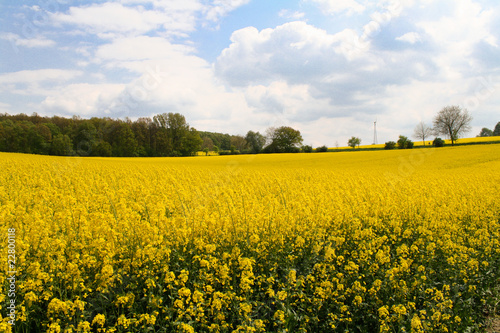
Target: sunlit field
375,241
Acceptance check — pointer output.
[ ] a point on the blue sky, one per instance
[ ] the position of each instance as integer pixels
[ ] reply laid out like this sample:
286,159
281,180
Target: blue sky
329,68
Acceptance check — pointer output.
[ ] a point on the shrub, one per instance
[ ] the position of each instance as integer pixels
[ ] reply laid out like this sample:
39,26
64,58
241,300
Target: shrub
307,149
438,142
322,149
404,142
390,145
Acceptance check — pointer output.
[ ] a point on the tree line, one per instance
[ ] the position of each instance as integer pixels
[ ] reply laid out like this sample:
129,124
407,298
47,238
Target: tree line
165,134
169,134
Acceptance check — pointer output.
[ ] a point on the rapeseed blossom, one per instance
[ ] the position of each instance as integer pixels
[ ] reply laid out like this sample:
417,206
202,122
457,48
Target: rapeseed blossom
369,241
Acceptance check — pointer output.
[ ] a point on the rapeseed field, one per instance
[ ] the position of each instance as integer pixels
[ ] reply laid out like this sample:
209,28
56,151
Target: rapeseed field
377,241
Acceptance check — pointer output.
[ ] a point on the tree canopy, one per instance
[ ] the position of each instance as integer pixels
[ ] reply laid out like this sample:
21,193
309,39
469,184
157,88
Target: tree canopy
166,134
283,139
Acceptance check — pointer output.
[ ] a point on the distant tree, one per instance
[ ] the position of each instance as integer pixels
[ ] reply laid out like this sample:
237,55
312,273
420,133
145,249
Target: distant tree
404,142
322,149
390,145
207,143
283,139
239,142
307,149
216,149
453,122
438,142
422,131
353,142
61,145
206,150
125,144
256,141
86,135
496,131
485,132
102,148
191,143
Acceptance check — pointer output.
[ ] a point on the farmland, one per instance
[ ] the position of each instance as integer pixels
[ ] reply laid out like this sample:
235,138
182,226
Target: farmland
373,241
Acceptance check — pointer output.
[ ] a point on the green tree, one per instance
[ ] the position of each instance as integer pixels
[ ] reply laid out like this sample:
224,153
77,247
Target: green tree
353,142
453,122
239,142
307,149
85,139
61,145
404,142
485,132
176,129
191,143
322,149
125,144
438,142
256,141
283,139
496,131
102,148
390,145
207,143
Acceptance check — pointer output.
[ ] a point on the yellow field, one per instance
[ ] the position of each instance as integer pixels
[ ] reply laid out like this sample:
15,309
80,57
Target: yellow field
377,241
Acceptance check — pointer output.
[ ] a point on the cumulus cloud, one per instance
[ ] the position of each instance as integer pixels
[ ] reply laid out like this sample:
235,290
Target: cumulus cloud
396,61
81,99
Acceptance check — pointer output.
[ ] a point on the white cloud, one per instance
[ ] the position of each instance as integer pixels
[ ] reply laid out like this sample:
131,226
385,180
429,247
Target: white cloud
114,18
30,76
220,8
410,37
81,99
294,15
131,18
17,40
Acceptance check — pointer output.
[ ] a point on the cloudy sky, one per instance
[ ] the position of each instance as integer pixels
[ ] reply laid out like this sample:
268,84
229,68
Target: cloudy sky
329,68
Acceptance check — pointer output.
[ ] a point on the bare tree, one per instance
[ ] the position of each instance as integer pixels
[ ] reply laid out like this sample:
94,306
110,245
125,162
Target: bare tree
453,122
422,131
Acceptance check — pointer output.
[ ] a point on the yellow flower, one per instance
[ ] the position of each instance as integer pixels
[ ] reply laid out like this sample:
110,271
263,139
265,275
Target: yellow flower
99,319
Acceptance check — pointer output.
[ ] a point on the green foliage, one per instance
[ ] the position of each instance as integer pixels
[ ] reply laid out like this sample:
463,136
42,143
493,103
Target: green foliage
190,143
404,142
390,145
61,145
256,141
283,139
307,149
496,131
322,149
438,142
103,148
353,142
485,132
